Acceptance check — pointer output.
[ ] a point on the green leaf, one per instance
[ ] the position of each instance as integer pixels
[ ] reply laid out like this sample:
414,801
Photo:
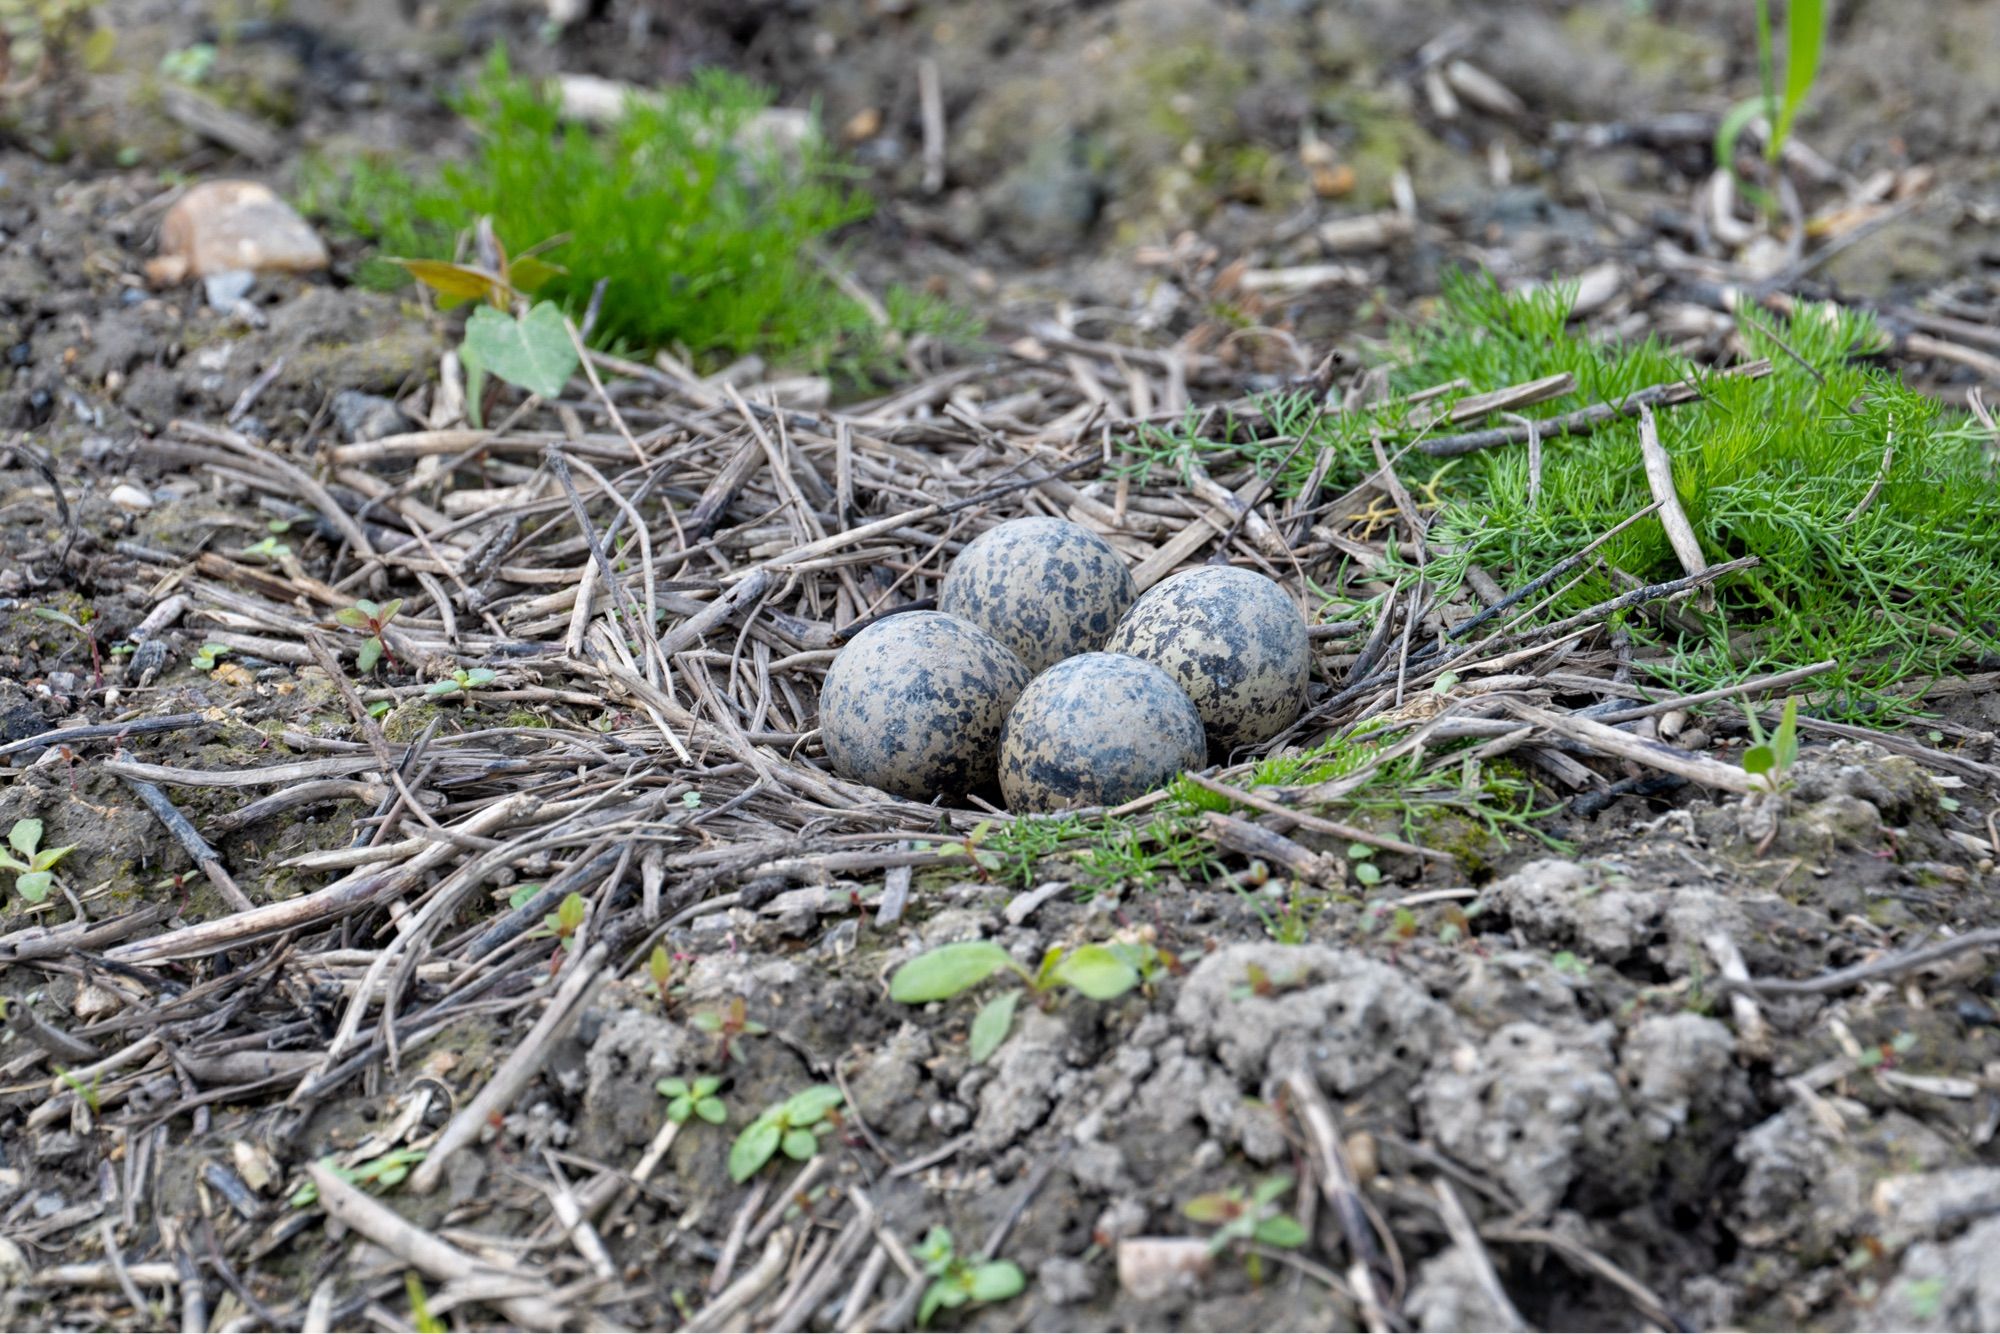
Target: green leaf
455,284
933,1298
1731,129
368,655
995,1281
59,617
810,1105
1759,760
533,352
935,1251
25,837
441,688
1281,1230
1785,743
753,1148
1805,39
529,274
1215,1207
990,1027
46,859
1270,1188
1098,972
354,618
522,895
711,1110
706,1086
1368,873
679,1110
35,885
672,1088
1359,852
799,1144
944,972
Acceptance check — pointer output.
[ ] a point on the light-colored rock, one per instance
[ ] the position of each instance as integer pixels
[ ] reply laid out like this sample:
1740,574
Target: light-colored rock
220,226
1150,1268
130,498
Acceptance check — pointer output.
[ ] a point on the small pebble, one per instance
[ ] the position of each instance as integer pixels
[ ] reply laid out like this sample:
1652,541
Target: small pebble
132,499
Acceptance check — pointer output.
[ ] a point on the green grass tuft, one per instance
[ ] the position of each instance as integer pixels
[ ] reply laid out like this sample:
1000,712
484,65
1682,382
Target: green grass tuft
703,237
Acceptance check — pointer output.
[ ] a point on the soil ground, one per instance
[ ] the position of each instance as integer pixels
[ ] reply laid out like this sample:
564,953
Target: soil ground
1552,1109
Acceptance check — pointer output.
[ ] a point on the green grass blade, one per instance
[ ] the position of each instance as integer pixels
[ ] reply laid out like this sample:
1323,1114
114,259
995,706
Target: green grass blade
1805,39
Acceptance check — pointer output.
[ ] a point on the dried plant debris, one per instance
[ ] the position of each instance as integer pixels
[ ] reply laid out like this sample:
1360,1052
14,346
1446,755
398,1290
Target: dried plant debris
434,891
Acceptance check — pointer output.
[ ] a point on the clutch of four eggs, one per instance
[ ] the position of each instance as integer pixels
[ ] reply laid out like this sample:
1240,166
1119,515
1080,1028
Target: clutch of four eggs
1045,668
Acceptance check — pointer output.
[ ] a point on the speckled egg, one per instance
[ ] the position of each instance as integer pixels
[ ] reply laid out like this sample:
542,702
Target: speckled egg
1234,641
1097,730
914,705
1043,587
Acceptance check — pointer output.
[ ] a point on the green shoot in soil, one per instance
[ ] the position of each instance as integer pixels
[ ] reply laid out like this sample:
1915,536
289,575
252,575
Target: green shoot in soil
1904,586
33,865
1098,972
956,1281
685,1100
793,1126
703,231
371,618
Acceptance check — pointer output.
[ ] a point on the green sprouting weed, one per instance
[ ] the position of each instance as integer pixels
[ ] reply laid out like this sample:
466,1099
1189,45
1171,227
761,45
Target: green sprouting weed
1563,961
1365,870
1252,1215
984,861
33,865
1770,758
1098,972
189,64
560,925
685,1100
532,351
420,1305
269,549
793,1126
704,234
660,970
730,1025
1805,42
461,682
371,618
957,1282
208,655
86,1092
383,1173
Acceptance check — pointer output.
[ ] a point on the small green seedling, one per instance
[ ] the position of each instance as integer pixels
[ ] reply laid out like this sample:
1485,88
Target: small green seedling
87,1092
371,618
506,283
82,625
1805,42
957,1282
461,682
420,1305
1252,1216
562,924
685,1100
270,550
1770,758
1100,972
384,1173
208,655
660,969
731,1025
1365,869
985,862
33,865
794,1126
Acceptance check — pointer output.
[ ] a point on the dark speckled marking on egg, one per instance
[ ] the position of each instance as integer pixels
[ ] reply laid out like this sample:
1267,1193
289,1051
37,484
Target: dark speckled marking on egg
1234,640
1043,587
914,705
1097,730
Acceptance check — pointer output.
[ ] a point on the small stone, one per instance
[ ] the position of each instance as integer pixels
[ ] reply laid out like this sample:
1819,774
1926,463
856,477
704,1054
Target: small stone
219,226
364,417
1065,1282
94,1002
132,499
948,1118
226,289
56,1146
1150,1268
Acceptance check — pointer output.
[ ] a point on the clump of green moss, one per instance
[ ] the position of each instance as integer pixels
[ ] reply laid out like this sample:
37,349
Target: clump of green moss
703,231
